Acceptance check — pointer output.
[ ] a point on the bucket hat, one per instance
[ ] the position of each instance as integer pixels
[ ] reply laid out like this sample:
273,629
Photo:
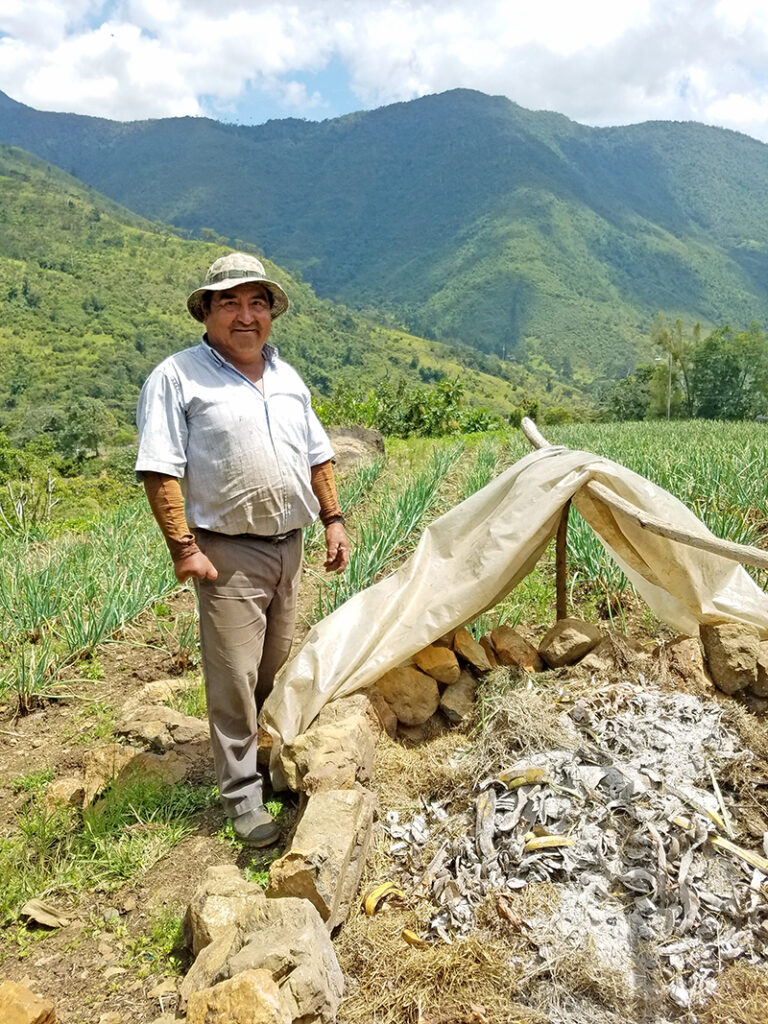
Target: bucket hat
228,272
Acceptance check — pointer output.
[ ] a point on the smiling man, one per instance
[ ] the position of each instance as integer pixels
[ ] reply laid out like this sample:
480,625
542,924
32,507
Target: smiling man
235,464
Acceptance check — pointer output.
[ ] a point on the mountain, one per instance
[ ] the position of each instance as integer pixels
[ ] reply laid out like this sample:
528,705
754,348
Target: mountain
516,232
92,296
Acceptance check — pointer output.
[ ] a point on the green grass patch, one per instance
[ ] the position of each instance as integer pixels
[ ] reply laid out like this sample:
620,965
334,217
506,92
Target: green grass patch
61,851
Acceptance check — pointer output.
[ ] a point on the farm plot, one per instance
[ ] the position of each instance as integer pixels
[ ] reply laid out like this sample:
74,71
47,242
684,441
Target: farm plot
129,911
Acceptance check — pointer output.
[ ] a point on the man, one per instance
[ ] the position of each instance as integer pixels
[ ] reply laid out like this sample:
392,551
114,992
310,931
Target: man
233,425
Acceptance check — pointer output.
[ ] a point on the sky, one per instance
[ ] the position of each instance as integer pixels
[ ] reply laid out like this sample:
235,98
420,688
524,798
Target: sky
600,62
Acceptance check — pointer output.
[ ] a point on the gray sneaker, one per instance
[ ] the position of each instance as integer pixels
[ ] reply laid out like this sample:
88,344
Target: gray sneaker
256,827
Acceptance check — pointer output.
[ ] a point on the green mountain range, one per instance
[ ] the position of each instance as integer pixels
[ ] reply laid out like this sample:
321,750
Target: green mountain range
92,296
466,216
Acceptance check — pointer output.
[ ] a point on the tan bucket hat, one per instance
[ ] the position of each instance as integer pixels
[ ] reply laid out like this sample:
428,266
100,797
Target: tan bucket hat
228,272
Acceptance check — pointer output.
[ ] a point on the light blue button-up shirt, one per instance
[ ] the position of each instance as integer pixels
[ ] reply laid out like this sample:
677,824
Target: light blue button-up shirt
243,456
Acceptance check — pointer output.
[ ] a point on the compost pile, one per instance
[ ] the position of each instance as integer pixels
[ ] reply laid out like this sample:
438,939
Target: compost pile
629,822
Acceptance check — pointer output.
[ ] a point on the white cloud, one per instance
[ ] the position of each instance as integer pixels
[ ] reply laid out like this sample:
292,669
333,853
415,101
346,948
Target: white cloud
599,61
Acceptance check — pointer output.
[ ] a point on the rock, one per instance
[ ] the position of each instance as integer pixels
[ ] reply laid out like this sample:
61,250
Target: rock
161,691
112,1018
682,659
20,1006
166,987
222,899
438,662
210,965
251,997
45,914
446,640
568,641
263,748
600,658
336,749
101,766
288,938
354,445
162,728
328,852
490,652
470,650
760,687
166,768
458,701
166,1018
513,650
387,717
434,726
68,791
412,695
731,649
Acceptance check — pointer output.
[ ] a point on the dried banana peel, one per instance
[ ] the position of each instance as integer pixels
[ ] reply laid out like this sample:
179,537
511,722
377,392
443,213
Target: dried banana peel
513,778
375,896
754,859
546,843
413,939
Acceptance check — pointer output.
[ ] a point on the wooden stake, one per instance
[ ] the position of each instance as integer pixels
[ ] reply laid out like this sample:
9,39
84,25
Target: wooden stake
561,563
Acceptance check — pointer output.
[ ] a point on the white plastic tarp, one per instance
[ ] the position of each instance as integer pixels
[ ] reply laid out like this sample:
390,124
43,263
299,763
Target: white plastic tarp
470,558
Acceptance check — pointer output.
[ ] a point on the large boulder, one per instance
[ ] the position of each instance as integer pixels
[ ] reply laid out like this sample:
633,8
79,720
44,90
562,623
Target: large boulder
568,641
249,998
101,767
458,701
161,728
353,446
514,651
412,695
160,691
681,659
731,649
328,853
467,648
18,1005
221,900
760,687
439,662
287,937
337,749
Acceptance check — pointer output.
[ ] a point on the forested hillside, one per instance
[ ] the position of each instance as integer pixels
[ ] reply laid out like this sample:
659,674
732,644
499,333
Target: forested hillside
520,233
91,297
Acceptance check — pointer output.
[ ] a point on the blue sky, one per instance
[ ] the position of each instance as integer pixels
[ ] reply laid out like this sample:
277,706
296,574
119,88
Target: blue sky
597,61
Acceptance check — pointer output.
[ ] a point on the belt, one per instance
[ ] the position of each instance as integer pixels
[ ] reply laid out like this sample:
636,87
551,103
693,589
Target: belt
275,538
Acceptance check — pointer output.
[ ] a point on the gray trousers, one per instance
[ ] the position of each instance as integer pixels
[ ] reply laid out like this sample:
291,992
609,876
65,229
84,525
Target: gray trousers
247,617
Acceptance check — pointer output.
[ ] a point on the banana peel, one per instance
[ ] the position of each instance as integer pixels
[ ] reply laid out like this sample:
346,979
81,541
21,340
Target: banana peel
413,939
513,778
377,895
546,843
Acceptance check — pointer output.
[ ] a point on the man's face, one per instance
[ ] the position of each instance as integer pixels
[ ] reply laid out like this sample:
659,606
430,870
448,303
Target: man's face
239,321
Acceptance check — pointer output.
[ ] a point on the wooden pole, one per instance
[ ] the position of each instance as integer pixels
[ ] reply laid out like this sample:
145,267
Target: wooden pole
743,553
561,563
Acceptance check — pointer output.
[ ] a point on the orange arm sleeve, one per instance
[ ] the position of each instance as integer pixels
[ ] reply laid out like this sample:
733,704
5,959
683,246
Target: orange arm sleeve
167,504
324,486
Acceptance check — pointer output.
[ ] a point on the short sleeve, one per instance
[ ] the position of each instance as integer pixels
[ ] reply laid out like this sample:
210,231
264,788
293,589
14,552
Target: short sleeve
162,423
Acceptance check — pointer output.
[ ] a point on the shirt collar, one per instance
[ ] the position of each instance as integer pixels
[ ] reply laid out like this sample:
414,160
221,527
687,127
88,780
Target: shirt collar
269,352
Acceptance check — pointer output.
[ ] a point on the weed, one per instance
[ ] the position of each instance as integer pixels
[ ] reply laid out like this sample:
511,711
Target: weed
180,641
100,721
192,700
89,667
35,782
160,949
130,828
258,869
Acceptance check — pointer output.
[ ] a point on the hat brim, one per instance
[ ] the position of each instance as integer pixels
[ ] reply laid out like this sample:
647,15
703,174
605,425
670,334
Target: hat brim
279,299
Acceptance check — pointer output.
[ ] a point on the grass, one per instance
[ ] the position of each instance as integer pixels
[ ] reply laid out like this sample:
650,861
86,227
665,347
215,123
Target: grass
61,852
388,531
160,948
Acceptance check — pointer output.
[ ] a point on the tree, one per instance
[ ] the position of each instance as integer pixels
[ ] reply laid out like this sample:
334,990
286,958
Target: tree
730,374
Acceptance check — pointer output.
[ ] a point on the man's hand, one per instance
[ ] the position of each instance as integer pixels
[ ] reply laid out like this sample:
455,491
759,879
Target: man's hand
196,565
337,548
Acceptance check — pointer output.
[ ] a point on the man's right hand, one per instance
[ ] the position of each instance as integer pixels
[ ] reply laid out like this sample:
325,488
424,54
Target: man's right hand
196,566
